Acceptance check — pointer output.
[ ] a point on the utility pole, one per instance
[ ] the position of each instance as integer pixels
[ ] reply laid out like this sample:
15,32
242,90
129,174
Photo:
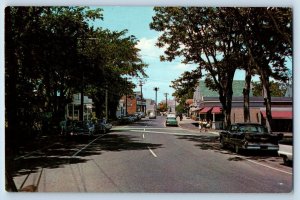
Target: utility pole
81,110
106,103
141,85
156,89
126,100
166,94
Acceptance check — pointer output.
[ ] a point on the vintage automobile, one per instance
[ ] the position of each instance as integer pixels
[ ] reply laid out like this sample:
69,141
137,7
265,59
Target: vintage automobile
249,136
286,149
171,121
152,115
102,126
77,128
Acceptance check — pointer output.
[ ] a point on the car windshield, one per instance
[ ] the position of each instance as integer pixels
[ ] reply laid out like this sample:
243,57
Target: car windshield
253,128
171,119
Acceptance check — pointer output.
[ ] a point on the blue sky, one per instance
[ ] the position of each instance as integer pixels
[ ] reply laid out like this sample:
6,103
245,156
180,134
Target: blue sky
136,20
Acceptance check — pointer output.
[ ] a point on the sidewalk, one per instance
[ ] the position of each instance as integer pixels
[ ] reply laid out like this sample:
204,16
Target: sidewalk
191,124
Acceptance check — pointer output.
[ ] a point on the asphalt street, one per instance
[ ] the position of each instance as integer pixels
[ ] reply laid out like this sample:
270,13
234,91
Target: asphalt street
148,157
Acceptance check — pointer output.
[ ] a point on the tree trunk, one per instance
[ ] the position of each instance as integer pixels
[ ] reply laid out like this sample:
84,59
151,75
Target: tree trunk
246,93
225,96
267,99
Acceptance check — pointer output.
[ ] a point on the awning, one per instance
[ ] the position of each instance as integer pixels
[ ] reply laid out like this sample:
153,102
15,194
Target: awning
216,110
279,114
205,110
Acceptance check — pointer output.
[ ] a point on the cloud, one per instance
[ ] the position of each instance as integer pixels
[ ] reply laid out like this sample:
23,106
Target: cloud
148,48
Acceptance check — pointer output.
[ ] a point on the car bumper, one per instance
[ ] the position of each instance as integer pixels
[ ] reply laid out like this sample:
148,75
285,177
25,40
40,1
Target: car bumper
270,147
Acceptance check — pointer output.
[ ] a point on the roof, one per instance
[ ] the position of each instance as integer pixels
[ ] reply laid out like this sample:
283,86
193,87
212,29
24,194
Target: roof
237,88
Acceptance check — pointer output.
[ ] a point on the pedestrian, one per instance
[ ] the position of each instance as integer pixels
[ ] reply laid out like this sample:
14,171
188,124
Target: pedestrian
208,124
204,124
200,125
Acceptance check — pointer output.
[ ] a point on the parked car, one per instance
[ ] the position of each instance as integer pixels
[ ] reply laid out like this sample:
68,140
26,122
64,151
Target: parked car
77,128
152,115
249,136
171,121
286,149
102,126
142,114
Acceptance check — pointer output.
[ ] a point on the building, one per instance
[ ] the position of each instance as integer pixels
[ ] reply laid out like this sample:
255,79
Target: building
210,108
73,109
134,104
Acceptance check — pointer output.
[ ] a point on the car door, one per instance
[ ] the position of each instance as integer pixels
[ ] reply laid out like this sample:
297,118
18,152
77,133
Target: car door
232,134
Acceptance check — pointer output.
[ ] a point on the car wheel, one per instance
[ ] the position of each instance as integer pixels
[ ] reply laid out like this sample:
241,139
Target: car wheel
236,149
285,160
222,143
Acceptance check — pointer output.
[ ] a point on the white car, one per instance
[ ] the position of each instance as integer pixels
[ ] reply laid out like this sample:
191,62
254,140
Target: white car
152,115
286,149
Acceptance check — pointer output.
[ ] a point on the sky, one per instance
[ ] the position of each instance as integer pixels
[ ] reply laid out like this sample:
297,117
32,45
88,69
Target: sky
160,74
136,20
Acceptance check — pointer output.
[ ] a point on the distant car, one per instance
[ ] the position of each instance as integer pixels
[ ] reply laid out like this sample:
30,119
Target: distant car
102,126
249,136
286,150
152,115
142,114
171,121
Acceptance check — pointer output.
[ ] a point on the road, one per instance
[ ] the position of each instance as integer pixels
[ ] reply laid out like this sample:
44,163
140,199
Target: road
148,157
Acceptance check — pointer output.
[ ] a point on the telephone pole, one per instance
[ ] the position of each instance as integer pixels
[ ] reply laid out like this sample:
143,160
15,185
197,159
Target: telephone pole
141,85
166,94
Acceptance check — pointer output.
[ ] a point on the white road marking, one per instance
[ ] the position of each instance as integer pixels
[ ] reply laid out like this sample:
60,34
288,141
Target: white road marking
80,150
152,152
165,132
143,135
29,154
269,167
141,128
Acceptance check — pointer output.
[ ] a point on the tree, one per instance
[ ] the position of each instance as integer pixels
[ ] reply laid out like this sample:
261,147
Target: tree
277,89
207,37
51,53
185,86
267,36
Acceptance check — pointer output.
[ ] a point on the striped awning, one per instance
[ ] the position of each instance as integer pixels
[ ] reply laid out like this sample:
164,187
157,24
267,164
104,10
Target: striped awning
216,110
205,110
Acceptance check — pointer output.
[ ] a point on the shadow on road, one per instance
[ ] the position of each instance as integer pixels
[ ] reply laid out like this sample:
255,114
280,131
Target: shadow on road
65,152
211,142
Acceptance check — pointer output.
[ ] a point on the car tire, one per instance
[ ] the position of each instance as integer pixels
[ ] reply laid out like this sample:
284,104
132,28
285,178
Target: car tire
222,144
237,149
286,161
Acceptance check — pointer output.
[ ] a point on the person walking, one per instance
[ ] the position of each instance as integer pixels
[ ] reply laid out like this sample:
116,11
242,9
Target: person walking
204,124
200,125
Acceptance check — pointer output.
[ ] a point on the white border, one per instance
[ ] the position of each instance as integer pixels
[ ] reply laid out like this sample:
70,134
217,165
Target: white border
74,196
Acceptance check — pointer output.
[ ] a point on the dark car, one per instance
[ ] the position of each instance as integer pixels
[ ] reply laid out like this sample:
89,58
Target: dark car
77,128
249,136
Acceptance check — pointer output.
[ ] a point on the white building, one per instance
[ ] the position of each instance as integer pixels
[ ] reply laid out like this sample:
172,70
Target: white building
73,109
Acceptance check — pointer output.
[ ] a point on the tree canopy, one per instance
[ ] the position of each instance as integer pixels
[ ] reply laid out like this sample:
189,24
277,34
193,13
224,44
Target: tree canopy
52,53
220,40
